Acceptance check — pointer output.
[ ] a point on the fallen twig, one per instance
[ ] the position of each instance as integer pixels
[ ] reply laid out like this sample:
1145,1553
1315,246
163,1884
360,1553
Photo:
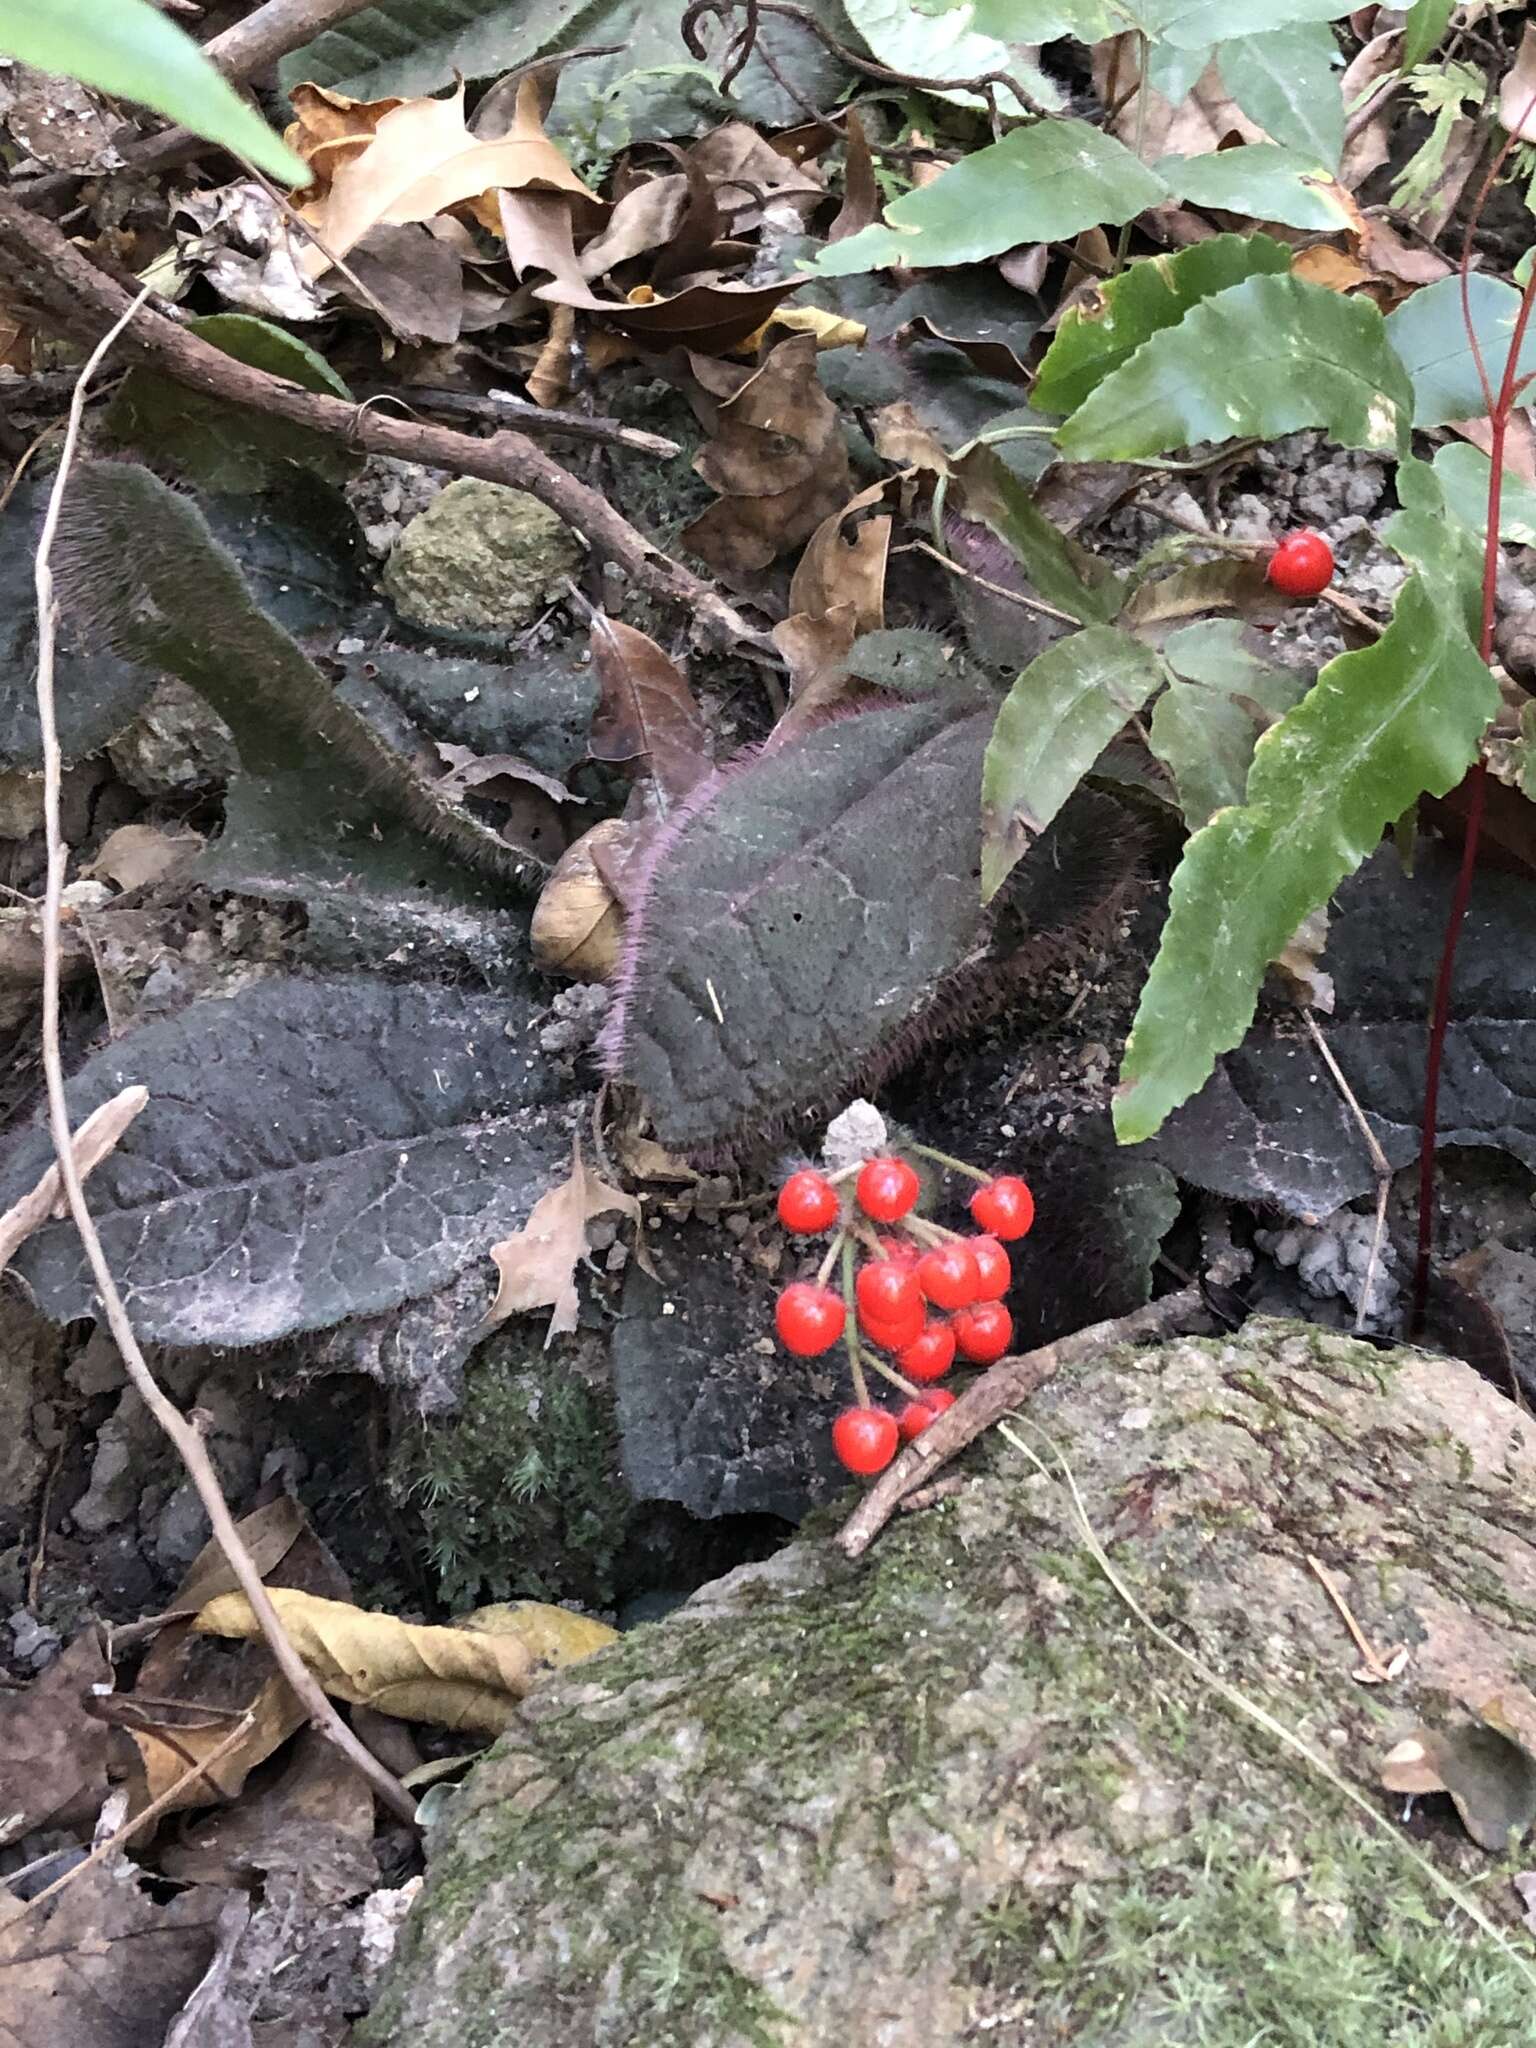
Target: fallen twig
1007,1384
92,1142
502,409
1381,1166
184,1434
47,270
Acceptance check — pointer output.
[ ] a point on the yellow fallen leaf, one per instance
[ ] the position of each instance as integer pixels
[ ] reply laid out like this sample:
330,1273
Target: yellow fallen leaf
421,160
831,330
456,1677
538,1263
553,1636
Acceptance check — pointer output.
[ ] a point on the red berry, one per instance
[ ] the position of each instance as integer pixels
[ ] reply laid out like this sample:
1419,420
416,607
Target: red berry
994,1269
886,1188
948,1275
808,1202
887,1292
896,1334
1302,565
917,1415
865,1439
983,1333
808,1318
1004,1207
930,1355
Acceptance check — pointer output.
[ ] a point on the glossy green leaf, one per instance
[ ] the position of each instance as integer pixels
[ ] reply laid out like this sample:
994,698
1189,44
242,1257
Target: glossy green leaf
1265,357
1055,722
1064,574
1208,721
1288,82
1463,472
1040,184
1427,22
1097,335
1047,21
1429,332
1189,23
1379,727
948,45
1264,182
130,50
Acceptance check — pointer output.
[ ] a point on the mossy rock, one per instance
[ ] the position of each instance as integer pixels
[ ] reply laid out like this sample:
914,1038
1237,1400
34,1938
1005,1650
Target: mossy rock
962,1792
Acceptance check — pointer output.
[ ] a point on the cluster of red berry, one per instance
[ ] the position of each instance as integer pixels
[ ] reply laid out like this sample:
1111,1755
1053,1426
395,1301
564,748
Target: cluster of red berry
889,1302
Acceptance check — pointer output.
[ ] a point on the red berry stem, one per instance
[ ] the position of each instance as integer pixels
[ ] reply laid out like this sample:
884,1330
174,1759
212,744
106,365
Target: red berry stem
889,1372
824,1270
850,1327
928,1232
948,1159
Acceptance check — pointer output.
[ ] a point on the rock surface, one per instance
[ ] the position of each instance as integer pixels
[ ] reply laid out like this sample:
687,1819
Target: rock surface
964,1792
481,557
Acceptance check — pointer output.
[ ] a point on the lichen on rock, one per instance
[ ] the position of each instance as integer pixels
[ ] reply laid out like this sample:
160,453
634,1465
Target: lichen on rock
481,558
962,1792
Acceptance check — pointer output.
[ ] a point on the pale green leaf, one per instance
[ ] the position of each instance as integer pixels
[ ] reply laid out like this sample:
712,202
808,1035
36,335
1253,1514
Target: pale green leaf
130,50
1378,728
1040,184
1288,82
1463,472
1064,574
1047,21
1097,335
1429,332
1189,23
948,45
1207,722
1264,182
1426,24
1265,358
1055,722
1175,73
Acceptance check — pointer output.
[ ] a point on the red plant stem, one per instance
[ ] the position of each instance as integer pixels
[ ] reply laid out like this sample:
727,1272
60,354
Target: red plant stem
1440,1013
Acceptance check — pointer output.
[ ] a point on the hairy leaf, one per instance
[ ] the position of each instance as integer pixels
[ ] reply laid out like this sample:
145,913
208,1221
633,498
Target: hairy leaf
1430,335
1040,184
1058,718
1288,81
1263,181
134,53
1063,573
1096,335
908,661
311,1150
1264,358
1379,727
795,919
1208,721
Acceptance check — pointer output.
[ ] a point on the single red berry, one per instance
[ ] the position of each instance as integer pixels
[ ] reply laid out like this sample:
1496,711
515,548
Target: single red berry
917,1415
930,1354
896,1334
808,1318
865,1439
886,1188
983,1333
887,1291
1004,1207
948,1275
808,1202
994,1268
1302,565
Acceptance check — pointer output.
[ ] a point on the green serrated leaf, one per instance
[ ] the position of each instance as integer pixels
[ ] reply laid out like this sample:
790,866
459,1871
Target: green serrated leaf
1264,182
1265,357
1207,722
1040,184
1463,473
1099,334
948,45
130,50
1379,727
221,446
1288,81
1055,722
1429,332
1427,22
1063,573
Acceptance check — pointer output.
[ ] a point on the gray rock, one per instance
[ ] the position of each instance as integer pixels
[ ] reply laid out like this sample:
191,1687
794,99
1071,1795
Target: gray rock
481,557
177,746
973,1789
32,1351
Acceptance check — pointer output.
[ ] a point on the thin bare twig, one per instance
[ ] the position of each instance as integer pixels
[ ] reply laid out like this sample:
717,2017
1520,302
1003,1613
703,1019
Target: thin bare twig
1375,1669
1030,604
1381,1166
92,1142
1006,1386
183,1433
503,408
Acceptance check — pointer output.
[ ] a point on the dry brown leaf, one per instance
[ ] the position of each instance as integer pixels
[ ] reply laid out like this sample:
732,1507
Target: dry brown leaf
540,235
749,175
1401,262
315,1815
53,1754
420,161
578,922
496,778
459,1678
329,129
1331,268
900,437
1368,146
835,570
1298,966
861,190
709,318
647,719
537,1264
1517,91
136,854
1201,122
1519,441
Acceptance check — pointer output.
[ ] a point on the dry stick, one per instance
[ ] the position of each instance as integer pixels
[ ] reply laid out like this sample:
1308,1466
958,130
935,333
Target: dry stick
95,1138
186,1437
1005,1386
1030,604
51,273
503,408
1380,1164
